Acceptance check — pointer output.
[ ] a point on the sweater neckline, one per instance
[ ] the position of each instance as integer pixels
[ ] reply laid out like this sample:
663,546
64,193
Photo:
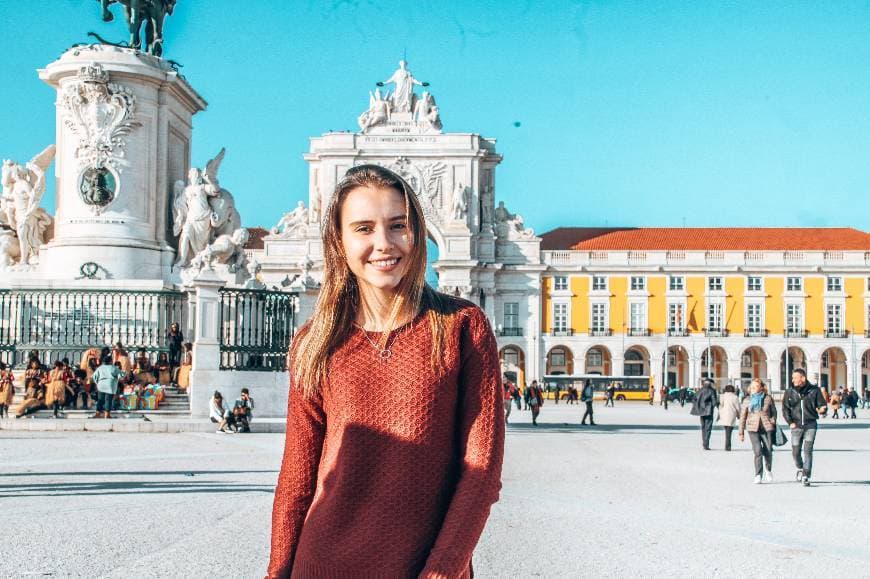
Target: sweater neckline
401,328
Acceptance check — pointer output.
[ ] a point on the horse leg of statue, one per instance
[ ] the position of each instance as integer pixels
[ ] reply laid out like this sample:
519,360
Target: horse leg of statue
150,44
134,18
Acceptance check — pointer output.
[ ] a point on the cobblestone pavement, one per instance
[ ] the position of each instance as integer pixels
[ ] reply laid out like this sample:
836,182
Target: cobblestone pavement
634,496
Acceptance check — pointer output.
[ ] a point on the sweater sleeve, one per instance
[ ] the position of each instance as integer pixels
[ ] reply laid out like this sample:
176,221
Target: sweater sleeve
481,450
306,427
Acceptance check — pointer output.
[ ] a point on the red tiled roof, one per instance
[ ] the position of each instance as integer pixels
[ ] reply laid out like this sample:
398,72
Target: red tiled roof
255,241
707,239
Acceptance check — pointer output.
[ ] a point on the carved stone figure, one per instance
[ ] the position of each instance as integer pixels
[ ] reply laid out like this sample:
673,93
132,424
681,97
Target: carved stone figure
100,114
23,188
459,203
486,204
226,249
510,225
426,112
292,225
253,267
403,96
10,250
314,214
150,13
202,211
377,113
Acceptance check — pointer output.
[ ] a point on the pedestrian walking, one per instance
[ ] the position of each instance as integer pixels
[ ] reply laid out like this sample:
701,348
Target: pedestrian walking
652,393
802,405
526,396
705,405
683,393
663,401
508,388
586,396
758,417
556,390
536,400
729,411
395,426
609,395
517,397
850,403
834,403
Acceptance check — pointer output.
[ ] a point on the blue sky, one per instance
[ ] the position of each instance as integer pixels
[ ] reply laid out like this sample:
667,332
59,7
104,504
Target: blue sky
630,113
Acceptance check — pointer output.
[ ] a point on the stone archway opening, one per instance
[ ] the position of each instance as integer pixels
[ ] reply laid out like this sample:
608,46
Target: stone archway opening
512,360
796,358
560,360
636,362
832,369
865,372
678,367
753,364
599,361
714,365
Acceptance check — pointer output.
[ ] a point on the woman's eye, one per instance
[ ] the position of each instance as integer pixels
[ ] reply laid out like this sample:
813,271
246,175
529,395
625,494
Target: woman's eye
363,229
399,226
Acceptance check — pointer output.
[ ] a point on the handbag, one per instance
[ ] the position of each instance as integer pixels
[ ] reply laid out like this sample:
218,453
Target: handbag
779,437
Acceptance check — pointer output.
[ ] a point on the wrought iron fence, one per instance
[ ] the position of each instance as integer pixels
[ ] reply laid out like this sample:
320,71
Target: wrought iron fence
65,323
256,327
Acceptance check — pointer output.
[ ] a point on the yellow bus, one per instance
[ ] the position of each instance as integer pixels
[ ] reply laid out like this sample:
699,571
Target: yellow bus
627,387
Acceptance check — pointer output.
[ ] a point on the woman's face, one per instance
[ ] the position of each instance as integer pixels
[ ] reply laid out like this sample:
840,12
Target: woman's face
754,388
375,237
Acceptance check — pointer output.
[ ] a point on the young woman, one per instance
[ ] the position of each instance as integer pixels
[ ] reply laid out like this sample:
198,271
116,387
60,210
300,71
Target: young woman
395,424
7,390
56,389
758,416
218,411
163,369
182,375
729,410
174,339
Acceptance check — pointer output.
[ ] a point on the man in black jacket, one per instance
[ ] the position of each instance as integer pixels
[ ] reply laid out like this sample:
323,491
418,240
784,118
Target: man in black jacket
706,402
802,405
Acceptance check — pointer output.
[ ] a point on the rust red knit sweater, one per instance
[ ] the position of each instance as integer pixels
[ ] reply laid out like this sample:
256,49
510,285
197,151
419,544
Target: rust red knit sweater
391,470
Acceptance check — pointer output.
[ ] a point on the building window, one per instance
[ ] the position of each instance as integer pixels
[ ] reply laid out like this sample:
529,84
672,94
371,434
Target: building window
638,282
794,284
633,365
560,283
560,317
677,283
794,319
753,318
834,319
675,317
753,283
714,317
511,315
714,284
510,357
599,317
594,358
557,357
599,283
835,284
637,317
746,360
826,360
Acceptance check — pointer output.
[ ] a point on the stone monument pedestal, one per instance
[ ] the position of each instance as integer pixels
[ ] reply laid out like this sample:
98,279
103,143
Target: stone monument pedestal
124,121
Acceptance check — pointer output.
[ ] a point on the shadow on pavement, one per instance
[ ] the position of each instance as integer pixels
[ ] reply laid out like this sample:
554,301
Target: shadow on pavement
128,487
137,473
609,428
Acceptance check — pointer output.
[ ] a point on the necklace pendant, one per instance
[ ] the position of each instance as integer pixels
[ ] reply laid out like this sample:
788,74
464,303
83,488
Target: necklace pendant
385,355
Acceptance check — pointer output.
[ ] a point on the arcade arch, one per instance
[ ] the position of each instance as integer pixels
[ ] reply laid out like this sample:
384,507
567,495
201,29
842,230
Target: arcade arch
599,361
714,365
636,362
753,364
832,369
512,360
560,360
797,358
678,367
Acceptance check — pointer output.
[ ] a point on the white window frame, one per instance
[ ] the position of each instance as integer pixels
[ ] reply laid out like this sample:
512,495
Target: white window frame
839,285
605,316
760,307
800,318
557,279
721,315
710,287
760,287
681,326
641,279
567,312
642,316
682,283
838,319
800,283
599,278
505,314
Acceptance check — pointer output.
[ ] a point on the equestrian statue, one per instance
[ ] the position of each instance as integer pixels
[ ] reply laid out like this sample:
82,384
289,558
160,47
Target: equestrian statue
151,13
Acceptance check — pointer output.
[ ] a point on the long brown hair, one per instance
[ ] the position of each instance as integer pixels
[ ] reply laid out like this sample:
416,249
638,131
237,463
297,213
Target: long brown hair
339,300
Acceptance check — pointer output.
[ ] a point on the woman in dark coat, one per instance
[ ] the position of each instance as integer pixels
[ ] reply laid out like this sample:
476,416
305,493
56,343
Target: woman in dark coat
174,339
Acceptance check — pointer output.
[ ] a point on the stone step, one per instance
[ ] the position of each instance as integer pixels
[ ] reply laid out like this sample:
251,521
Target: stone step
155,424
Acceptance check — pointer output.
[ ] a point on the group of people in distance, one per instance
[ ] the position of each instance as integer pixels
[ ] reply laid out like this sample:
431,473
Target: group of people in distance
101,377
236,419
532,398
802,406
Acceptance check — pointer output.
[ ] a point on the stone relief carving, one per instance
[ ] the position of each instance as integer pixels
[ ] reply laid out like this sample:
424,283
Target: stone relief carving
21,217
510,225
226,249
100,114
487,204
459,202
202,211
426,180
426,112
316,200
292,225
378,112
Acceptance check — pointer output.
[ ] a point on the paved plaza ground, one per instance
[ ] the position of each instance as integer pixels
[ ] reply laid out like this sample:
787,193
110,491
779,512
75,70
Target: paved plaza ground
633,497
